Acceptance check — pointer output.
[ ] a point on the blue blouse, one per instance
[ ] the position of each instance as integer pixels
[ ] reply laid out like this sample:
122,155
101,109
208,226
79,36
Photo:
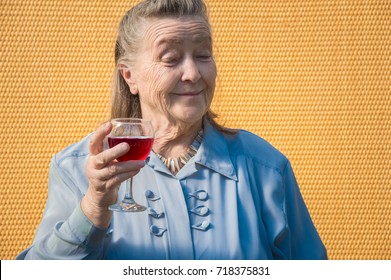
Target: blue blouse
237,198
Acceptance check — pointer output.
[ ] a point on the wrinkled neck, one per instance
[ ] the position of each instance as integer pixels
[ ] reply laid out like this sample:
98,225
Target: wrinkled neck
171,141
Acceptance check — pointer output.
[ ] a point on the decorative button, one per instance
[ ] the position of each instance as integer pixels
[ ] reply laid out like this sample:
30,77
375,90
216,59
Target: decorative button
151,195
109,232
200,195
157,231
153,213
200,210
203,226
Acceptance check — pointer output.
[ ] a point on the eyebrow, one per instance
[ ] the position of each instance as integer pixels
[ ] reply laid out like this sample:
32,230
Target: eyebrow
170,41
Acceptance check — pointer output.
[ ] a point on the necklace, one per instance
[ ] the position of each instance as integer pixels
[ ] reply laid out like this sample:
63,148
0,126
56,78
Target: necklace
175,164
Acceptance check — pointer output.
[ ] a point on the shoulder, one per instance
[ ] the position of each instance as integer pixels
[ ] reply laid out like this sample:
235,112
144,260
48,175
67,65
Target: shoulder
76,151
253,147
68,167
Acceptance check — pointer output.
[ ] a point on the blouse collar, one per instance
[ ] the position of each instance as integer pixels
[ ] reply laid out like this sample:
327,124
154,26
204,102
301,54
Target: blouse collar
213,154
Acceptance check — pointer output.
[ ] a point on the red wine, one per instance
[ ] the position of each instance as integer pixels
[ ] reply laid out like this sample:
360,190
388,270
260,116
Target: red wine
140,146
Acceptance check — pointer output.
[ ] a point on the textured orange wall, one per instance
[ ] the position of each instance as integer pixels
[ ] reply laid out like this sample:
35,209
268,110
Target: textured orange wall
310,76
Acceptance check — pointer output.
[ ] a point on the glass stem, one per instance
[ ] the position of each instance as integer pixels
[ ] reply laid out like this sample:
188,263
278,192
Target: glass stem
128,192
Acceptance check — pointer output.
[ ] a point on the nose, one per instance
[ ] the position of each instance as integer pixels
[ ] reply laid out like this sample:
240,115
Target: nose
191,71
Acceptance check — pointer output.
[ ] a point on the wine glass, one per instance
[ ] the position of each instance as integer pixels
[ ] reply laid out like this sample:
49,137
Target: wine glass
139,135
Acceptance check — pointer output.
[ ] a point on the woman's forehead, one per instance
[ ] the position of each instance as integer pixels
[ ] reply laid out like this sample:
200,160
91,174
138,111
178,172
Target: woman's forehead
176,30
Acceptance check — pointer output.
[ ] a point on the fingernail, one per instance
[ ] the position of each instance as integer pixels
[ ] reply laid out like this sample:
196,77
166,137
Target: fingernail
106,125
140,163
124,146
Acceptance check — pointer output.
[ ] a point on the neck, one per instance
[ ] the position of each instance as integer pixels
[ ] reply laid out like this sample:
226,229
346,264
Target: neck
171,141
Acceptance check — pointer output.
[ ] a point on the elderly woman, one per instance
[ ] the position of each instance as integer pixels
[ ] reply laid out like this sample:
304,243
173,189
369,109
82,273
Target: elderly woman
211,192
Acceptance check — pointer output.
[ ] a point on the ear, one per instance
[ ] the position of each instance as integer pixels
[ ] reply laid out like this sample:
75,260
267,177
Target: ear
128,77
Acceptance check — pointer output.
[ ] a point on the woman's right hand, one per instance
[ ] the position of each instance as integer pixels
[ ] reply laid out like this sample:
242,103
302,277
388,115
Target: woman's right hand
105,174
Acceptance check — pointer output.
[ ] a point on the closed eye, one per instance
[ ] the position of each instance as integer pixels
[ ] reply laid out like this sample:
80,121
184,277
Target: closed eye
204,57
170,60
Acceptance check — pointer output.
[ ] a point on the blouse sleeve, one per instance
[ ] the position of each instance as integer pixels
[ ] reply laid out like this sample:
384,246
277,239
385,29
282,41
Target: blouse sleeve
300,239
64,232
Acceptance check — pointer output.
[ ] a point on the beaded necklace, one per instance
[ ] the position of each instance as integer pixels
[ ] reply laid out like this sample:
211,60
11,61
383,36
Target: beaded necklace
175,164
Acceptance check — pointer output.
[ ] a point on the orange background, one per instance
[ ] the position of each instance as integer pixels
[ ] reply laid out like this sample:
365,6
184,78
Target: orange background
310,76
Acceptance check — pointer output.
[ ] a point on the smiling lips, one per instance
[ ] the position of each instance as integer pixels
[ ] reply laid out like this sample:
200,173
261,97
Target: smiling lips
189,94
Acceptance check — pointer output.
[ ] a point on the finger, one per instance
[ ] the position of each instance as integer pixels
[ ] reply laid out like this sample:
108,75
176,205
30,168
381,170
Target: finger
116,168
115,181
96,141
106,157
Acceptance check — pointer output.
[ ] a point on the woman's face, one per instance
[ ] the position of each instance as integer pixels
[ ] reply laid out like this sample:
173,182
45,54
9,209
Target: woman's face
175,72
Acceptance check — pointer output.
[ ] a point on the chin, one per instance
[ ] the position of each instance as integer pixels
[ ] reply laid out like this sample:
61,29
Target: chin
190,118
